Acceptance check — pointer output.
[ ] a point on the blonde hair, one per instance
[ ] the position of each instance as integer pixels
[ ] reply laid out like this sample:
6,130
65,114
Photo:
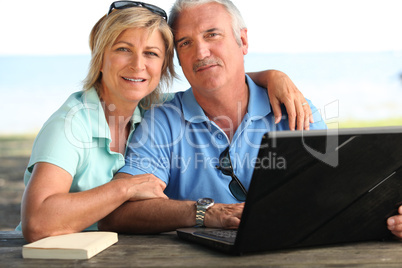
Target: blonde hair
107,30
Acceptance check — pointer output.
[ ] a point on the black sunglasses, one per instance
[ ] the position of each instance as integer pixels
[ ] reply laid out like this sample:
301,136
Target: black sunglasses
235,186
127,4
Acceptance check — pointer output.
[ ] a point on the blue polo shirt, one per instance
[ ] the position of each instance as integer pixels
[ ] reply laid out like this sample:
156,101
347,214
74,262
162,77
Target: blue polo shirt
179,144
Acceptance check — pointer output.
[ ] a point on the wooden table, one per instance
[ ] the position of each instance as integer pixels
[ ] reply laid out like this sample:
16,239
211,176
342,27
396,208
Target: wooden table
166,250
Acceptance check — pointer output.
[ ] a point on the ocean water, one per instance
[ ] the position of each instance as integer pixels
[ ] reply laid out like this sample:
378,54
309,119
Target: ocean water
343,86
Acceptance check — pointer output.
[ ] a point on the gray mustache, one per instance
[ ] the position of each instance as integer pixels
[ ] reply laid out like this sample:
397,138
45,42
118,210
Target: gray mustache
205,62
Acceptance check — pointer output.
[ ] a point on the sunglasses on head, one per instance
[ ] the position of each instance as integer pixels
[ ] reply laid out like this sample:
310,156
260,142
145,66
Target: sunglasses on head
235,186
127,4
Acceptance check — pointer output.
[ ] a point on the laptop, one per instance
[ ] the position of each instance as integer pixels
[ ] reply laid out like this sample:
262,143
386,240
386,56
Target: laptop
317,187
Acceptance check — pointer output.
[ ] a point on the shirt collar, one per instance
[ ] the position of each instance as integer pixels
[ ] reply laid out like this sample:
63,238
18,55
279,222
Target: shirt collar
192,111
258,105
97,118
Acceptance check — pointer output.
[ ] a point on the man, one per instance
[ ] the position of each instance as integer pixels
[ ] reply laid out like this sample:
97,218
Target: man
188,142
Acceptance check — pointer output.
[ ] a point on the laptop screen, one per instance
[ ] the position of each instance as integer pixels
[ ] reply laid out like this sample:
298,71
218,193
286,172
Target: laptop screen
322,187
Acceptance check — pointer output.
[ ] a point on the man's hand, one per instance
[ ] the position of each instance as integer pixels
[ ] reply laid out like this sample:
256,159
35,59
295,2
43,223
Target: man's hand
282,90
225,216
394,223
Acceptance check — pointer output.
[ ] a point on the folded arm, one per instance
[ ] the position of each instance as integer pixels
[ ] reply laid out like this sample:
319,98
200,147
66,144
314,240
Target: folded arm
163,215
49,209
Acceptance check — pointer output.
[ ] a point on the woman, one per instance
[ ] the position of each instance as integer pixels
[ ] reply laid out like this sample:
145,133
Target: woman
68,179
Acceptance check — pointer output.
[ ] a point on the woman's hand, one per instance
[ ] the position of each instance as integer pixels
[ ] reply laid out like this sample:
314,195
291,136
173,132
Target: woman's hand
48,208
282,90
145,186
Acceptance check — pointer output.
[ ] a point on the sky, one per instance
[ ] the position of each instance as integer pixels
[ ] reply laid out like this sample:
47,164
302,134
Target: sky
48,27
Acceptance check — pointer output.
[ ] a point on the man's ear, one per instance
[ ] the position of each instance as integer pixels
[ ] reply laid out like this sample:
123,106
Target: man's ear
244,40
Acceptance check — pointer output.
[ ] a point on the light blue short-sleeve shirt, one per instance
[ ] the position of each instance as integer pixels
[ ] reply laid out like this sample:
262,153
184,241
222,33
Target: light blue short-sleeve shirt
77,139
179,144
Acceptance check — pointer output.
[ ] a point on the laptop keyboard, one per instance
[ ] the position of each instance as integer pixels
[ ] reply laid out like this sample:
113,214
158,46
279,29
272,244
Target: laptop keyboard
228,236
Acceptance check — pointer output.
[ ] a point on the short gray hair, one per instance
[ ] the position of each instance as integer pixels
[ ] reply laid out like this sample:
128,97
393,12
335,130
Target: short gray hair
237,20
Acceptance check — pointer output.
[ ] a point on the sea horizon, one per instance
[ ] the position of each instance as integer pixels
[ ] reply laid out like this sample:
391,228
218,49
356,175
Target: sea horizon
342,85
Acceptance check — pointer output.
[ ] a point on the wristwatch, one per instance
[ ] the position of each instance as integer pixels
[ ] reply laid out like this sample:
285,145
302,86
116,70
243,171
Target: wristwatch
202,205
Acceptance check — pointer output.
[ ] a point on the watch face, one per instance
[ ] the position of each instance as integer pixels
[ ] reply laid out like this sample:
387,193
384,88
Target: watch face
205,201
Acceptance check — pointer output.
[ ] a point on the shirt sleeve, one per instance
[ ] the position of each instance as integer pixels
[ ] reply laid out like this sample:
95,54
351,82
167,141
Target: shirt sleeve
60,142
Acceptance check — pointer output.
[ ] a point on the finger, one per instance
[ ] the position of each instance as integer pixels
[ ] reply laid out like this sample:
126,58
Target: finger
276,108
236,205
395,226
307,115
291,110
148,189
300,115
231,223
236,211
161,194
395,223
158,191
306,123
397,234
162,184
310,115
395,220
144,195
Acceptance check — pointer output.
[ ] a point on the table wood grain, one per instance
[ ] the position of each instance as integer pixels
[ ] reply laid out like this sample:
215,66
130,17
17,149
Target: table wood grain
167,250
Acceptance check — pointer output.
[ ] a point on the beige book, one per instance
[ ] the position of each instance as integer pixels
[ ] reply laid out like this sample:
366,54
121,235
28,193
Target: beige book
82,245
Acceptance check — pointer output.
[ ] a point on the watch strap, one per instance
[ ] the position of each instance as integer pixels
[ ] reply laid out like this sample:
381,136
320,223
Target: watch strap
200,216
